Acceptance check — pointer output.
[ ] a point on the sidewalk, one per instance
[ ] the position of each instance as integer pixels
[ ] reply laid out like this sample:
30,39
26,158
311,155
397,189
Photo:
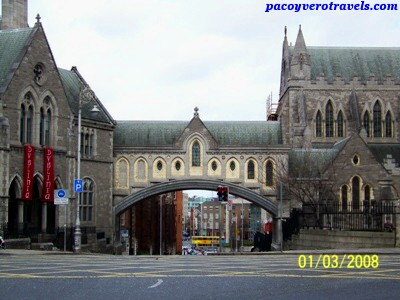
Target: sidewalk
380,251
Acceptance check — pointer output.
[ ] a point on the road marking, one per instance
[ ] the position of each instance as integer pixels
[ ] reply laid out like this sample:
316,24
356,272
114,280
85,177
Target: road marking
159,281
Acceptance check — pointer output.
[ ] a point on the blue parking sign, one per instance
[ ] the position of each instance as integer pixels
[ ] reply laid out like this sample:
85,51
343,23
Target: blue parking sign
78,185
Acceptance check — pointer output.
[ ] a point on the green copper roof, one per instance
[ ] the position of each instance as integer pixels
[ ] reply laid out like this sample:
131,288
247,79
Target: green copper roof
310,163
165,133
72,87
147,133
381,151
245,133
12,44
350,62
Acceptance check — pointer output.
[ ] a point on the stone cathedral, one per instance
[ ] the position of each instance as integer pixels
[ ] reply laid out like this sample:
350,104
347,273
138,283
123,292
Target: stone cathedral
339,104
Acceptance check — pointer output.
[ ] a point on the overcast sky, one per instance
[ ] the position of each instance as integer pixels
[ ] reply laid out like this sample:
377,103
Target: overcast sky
158,59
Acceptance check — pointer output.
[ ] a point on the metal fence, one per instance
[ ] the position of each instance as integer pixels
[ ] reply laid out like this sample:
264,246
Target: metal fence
370,216
374,216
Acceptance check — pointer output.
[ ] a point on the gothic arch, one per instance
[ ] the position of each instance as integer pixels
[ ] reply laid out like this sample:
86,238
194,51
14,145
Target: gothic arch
16,183
58,183
159,168
32,91
251,170
269,166
329,119
177,167
195,152
366,121
318,128
214,167
389,124
193,184
53,103
340,124
122,173
377,117
140,170
232,168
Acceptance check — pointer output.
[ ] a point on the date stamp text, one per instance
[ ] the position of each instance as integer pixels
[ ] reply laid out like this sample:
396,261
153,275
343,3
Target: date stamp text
336,261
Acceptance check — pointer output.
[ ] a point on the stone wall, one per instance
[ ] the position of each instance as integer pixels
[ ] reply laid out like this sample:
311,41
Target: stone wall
309,239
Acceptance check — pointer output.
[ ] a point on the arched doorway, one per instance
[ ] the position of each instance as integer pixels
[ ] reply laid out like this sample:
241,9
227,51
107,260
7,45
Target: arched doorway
29,218
151,193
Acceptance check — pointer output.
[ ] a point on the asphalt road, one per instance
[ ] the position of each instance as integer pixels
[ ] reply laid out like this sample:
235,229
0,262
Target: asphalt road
287,276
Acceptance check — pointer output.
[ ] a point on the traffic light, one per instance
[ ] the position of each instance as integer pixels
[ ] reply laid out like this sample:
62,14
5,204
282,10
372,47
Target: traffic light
225,193
219,193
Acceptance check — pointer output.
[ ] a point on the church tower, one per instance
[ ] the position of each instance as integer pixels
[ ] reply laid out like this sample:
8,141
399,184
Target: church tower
14,14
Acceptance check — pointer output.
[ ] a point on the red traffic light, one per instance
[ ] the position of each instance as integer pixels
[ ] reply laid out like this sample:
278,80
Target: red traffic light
225,193
219,192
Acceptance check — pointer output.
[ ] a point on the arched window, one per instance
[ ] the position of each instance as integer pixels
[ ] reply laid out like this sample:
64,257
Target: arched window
388,124
196,154
344,191
141,170
22,122
318,124
29,125
367,193
26,120
340,125
377,120
329,119
356,193
366,122
123,172
250,170
87,142
269,173
87,201
45,127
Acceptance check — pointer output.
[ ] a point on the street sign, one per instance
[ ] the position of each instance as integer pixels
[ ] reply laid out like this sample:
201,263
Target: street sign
229,205
78,186
61,197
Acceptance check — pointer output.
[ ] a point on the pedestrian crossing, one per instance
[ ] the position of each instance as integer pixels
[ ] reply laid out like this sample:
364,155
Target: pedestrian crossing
105,266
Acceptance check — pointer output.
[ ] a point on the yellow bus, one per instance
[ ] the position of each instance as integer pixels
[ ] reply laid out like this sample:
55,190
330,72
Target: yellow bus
205,241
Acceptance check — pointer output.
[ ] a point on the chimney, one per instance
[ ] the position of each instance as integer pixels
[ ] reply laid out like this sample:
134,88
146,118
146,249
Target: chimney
14,14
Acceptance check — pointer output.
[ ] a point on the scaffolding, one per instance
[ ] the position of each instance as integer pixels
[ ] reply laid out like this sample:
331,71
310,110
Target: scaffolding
272,108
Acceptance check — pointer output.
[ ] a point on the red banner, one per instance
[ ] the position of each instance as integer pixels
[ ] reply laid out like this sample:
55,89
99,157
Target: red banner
48,170
29,166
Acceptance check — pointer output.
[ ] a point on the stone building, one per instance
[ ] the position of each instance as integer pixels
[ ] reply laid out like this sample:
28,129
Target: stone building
342,107
339,107
39,105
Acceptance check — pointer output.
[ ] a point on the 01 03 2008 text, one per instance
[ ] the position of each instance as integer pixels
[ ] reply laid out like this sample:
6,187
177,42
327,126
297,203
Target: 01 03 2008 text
335,261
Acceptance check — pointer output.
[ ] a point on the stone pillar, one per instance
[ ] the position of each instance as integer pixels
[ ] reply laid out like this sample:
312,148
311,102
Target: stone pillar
277,235
397,224
20,216
44,217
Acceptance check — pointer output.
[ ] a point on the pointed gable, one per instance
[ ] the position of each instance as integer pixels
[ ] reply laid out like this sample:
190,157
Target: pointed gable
73,83
365,164
196,127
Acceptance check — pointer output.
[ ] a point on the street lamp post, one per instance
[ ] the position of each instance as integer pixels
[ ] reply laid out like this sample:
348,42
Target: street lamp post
161,225
85,96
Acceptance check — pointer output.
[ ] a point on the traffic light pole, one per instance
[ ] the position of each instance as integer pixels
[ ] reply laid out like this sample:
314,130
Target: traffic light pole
220,227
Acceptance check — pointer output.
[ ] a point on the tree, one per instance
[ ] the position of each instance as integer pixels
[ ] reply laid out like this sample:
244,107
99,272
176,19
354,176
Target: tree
305,180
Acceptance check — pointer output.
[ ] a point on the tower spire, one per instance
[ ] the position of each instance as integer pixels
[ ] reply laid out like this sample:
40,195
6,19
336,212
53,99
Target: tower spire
300,62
